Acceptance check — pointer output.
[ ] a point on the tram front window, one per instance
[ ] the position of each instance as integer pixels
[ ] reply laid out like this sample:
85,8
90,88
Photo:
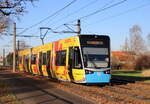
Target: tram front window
96,57
95,51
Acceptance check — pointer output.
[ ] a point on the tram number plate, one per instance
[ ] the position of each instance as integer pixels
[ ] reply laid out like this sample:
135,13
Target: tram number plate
98,73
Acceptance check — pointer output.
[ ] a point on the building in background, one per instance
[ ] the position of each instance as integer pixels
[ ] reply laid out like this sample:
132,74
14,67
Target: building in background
122,60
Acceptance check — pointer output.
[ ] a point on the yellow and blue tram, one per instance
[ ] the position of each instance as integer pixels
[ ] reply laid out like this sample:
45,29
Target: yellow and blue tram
79,59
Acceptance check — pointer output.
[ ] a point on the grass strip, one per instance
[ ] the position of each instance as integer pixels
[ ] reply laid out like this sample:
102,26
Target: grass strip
133,75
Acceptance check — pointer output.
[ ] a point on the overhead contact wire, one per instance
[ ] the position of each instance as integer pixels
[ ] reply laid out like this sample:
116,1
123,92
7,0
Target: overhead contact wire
48,17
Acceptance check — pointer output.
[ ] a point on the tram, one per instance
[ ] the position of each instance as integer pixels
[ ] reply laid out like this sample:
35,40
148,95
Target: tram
79,59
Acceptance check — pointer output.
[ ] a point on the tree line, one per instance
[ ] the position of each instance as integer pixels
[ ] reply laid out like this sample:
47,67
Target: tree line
136,51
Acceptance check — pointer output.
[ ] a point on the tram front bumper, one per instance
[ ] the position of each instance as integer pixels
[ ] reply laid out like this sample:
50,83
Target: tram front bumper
98,77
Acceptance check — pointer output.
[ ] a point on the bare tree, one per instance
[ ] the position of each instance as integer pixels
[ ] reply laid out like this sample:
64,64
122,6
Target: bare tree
143,62
11,8
134,47
4,21
148,40
137,45
125,47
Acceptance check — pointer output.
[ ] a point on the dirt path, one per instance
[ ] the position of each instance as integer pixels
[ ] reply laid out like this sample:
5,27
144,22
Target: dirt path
32,91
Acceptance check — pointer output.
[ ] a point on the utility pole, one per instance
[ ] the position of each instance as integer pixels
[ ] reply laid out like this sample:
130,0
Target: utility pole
3,57
14,48
18,48
78,27
18,43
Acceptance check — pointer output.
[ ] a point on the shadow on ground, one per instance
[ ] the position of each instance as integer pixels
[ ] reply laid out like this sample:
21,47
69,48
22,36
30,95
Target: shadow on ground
27,89
33,91
130,78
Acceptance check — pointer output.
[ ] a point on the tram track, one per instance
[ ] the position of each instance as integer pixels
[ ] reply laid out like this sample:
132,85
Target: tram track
129,94
140,87
106,93
128,88
86,92
131,97
125,97
93,92
122,93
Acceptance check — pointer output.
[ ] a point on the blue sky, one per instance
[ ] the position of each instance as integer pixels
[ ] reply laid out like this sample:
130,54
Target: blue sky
114,22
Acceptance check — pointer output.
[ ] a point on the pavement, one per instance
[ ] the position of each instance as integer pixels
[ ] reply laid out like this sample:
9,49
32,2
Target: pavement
31,91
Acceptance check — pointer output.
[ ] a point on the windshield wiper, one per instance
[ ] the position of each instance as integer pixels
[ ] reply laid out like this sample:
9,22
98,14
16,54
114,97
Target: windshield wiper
90,60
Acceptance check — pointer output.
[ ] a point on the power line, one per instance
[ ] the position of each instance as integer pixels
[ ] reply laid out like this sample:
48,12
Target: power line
122,13
26,36
113,5
76,11
105,7
55,13
100,10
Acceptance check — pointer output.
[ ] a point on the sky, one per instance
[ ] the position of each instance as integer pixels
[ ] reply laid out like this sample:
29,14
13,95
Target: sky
114,22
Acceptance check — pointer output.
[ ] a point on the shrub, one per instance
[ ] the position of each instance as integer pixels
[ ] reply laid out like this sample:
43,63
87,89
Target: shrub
142,62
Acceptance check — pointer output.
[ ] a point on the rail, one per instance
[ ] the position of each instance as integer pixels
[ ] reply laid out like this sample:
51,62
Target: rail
5,67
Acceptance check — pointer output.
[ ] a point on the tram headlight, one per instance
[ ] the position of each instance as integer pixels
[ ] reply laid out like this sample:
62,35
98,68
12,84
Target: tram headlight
88,72
107,72
107,59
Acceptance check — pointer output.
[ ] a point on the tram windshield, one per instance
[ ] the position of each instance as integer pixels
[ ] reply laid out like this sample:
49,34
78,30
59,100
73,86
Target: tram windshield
95,57
95,52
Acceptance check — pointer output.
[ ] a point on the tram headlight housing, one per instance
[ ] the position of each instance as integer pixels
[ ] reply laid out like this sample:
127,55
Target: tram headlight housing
107,59
88,72
107,72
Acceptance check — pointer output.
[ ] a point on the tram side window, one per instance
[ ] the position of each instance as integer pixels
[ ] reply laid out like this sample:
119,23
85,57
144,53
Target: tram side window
44,59
58,60
40,58
77,58
33,59
48,58
61,58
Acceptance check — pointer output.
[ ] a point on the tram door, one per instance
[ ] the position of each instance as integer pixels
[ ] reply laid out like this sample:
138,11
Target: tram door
75,67
48,56
27,63
70,63
40,63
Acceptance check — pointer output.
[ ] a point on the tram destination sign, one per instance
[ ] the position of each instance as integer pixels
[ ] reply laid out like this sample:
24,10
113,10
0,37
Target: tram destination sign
95,42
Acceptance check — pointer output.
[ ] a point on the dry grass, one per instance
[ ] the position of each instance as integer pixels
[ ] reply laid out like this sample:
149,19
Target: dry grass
103,95
6,96
146,73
